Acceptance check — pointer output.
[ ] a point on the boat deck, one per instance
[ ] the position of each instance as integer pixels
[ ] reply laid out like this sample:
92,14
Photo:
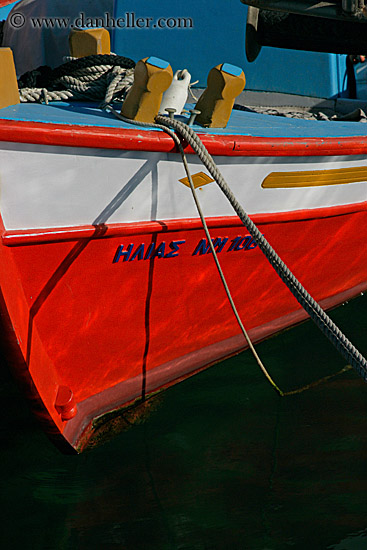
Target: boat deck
244,123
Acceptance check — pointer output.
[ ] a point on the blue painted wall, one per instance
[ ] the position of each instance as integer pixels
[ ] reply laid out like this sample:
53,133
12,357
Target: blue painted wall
217,35
5,10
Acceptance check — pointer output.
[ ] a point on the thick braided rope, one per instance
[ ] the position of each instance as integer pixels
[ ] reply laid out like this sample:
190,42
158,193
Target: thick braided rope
96,77
92,61
354,357
29,95
179,145
121,80
317,314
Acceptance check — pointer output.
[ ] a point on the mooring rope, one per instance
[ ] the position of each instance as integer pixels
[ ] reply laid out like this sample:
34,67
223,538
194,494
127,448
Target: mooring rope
106,77
210,241
222,277
317,314
162,124
233,306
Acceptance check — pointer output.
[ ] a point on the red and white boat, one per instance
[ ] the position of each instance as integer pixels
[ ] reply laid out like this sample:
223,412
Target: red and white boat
109,292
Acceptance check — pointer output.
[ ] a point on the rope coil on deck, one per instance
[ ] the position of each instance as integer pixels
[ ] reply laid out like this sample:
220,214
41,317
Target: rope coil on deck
105,77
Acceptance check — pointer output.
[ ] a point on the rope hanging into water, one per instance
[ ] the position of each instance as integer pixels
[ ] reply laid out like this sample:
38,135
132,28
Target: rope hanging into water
222,277
317,314
162,124
210,241
106,78
231,301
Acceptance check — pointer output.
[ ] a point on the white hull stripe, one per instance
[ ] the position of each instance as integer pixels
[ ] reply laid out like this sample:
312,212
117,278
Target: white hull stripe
49,186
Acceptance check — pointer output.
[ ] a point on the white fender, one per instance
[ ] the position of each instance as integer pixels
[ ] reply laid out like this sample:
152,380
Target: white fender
176,95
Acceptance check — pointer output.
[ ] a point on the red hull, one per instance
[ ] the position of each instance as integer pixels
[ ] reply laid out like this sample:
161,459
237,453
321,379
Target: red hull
115,323
97,317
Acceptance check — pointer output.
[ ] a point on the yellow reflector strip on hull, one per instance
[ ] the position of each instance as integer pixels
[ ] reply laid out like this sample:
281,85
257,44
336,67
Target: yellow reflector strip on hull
198,180
314,178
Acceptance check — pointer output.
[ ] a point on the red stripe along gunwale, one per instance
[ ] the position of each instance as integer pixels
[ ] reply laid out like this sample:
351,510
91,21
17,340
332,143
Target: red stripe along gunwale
24,237
150,140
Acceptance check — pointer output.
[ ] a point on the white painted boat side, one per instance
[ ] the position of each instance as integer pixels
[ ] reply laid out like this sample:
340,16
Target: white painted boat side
50,186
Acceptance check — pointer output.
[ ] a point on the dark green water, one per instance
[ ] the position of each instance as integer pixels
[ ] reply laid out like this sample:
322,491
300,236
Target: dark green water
221,463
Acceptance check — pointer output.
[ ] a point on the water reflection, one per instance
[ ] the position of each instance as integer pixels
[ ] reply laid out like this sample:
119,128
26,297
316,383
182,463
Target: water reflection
357,541
222,462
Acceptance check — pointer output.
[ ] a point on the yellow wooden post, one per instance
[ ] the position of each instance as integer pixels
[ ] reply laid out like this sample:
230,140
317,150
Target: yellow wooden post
225,83
152,77
83,42
9,94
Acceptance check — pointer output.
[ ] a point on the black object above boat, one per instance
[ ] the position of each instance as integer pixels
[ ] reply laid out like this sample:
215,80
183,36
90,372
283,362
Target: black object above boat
335,27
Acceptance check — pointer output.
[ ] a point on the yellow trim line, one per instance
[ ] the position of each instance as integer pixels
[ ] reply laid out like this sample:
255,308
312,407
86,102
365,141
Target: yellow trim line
314,178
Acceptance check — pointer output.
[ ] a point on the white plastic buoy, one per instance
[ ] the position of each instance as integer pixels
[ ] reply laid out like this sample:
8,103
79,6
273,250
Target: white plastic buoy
176,95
